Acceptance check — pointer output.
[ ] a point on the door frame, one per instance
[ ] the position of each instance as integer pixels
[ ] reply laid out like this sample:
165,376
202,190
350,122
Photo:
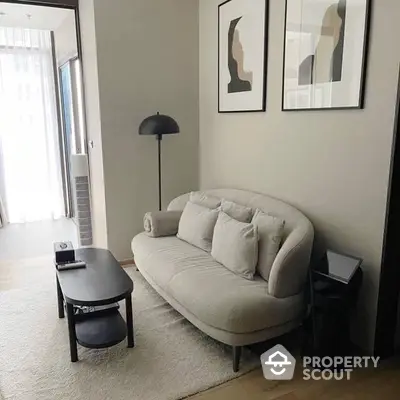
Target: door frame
71,5
49,3
64,148
61,141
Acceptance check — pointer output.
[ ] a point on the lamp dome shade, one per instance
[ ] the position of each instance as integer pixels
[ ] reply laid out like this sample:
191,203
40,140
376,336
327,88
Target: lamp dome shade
158,125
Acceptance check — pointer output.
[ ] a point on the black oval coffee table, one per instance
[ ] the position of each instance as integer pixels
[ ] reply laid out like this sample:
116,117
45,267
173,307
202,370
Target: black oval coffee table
102,282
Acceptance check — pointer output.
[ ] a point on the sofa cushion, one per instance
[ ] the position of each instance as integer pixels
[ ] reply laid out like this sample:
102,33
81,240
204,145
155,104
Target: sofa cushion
235,246
270,232
208,290
226,301
165,257
196,225
236,211
289,271
161,223
205,200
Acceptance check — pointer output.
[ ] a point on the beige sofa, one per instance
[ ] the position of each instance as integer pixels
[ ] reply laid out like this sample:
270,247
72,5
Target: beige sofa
228,308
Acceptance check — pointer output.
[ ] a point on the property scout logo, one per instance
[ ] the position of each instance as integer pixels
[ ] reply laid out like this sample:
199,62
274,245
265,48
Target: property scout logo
278,364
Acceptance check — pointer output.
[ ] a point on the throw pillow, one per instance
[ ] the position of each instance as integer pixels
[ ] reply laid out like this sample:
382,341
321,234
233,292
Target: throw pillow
270,233
196,225
205,200
161,223
235,246
236,211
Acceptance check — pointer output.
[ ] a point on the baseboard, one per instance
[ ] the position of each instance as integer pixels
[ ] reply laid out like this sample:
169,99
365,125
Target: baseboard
127,263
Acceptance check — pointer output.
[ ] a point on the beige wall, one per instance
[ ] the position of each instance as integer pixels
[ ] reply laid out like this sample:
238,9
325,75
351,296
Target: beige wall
65,39
148,61
332,165
93,121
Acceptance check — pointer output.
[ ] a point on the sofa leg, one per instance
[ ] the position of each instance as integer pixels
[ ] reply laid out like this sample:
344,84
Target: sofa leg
237,352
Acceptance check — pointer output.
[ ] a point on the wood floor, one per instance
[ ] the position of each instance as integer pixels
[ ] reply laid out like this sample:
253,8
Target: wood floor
369,384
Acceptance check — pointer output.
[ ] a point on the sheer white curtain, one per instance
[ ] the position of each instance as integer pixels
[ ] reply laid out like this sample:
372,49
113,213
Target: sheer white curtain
30,170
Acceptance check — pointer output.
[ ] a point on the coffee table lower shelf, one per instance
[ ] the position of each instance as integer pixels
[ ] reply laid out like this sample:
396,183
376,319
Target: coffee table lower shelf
101,331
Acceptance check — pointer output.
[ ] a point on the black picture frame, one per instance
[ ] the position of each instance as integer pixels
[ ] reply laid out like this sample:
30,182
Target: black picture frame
263,107
364,66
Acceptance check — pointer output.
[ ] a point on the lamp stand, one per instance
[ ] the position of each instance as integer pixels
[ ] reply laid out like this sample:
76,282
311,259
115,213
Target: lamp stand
159,125
159,139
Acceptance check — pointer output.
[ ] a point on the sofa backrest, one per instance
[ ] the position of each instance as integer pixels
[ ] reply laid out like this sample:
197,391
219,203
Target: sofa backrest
289,271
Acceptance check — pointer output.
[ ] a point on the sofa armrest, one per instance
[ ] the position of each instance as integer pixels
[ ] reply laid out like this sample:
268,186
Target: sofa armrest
162,223
289,272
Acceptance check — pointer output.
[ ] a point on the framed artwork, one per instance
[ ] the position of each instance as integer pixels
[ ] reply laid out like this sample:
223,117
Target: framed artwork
242,60
326,44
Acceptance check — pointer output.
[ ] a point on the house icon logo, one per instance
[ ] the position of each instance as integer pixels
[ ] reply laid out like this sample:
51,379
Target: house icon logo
278,364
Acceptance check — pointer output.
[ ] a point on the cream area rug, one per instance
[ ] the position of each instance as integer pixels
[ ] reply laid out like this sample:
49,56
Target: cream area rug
171,359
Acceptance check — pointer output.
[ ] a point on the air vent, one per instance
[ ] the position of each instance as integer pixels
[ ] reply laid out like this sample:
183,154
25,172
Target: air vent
81,193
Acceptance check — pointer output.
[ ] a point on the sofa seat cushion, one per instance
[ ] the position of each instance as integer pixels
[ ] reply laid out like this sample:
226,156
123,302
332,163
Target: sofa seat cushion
229,302
205,288
163,258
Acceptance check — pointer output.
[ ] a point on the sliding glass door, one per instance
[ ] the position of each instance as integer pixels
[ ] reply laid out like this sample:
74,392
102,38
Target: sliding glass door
73,132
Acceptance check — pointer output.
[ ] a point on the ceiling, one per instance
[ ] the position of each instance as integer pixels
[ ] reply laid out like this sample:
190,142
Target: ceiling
46,18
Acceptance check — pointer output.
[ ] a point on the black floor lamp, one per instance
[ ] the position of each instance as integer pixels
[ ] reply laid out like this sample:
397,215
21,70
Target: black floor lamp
159,125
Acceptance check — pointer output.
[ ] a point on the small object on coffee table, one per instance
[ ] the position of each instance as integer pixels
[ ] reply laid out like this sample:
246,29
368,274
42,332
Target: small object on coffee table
71,265
103,282
64,252
65,257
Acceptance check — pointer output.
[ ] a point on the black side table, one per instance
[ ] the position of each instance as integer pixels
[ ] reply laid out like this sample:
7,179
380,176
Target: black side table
334,284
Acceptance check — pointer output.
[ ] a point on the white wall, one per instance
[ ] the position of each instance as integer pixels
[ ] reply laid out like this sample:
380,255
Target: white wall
65,39
332,165
148,61
93,121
